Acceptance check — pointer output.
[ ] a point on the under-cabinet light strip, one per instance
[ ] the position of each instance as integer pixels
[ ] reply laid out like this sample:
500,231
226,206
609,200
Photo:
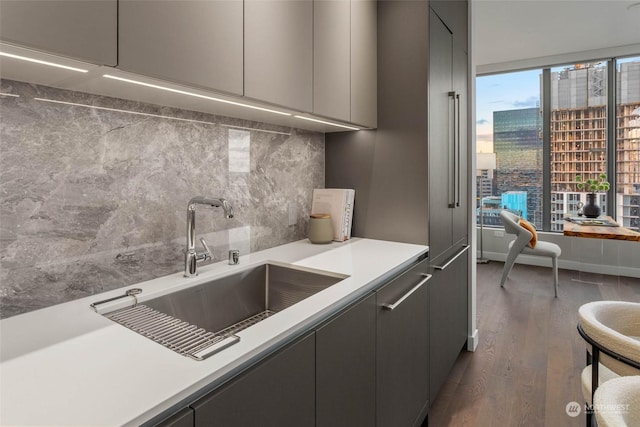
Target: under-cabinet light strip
117,110
10,94
37,61
54,101
326,123
183,92
256,129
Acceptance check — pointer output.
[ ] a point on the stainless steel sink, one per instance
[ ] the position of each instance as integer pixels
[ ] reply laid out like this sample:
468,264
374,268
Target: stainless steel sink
204,319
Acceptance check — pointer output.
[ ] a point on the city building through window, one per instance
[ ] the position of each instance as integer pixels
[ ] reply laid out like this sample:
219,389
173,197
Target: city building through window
574,142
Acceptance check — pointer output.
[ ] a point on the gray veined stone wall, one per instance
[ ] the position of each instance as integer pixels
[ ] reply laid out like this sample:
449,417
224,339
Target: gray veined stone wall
94,199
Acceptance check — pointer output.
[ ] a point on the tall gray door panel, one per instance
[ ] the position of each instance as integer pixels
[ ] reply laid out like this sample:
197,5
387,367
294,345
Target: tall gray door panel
441,137
460,85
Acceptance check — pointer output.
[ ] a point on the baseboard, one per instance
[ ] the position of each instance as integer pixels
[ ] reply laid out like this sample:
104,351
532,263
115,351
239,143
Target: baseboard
568,264
472,341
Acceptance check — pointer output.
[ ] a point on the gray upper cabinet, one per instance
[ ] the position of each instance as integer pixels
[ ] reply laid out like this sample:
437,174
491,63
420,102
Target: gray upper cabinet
345,60
80,29
278,52
332,58
364,62
198,43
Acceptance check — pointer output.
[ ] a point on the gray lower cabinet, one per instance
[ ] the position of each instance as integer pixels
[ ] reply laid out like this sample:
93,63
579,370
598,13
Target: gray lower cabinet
365,366
346,367
198,43
448,313
402,374
183,418
278,52
81,29
279,391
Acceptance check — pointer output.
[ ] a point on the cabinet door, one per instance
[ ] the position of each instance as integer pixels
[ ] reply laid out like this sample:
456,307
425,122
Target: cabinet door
460,67
402,375
183,418
82,29
448,308
280,391
442,106
278,52
198,43
331,58
364,62
345,367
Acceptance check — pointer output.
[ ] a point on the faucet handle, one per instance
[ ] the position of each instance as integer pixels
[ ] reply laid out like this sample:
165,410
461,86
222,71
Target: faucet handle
207,254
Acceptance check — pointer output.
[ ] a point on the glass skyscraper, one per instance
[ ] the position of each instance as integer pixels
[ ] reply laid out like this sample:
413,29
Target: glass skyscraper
517,142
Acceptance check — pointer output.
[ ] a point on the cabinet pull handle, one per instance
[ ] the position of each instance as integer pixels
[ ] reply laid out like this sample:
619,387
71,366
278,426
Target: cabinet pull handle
405,296
453,181
457,148
442,267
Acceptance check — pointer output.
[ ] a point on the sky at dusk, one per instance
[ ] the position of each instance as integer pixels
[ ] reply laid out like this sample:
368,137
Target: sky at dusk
501,92
510,91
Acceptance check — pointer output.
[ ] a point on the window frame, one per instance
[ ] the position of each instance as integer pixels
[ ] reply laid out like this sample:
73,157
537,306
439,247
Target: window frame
611,131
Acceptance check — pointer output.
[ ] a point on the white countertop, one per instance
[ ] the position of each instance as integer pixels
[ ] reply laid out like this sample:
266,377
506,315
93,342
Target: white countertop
67,365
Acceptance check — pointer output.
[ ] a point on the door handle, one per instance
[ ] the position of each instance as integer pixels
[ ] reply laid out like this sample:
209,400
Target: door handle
457,149
452,146
395,305
442,267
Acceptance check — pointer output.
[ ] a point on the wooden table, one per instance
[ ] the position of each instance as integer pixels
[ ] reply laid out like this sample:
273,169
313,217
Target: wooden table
599,231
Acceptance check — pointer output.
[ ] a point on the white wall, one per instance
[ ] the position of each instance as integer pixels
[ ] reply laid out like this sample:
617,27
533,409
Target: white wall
615,257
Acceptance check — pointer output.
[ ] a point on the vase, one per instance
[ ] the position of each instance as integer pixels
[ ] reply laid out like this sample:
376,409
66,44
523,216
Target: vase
591,210
320,228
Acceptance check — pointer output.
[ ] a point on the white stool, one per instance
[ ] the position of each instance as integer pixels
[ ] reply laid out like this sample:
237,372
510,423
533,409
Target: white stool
617,402
611,328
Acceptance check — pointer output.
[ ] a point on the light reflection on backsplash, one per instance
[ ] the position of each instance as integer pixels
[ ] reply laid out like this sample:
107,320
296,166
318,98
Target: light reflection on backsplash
94,199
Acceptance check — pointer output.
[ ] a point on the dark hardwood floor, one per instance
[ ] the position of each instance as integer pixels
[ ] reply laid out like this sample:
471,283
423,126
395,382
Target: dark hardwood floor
527,366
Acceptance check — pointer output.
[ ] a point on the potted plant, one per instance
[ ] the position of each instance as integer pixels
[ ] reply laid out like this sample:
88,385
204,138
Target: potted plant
591,210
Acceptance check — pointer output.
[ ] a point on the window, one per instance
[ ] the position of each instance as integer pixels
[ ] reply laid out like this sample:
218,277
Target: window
582,140
628,143
578,135
510,125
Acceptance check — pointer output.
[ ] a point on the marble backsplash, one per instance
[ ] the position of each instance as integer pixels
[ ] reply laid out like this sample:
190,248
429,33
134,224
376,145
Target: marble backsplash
94,190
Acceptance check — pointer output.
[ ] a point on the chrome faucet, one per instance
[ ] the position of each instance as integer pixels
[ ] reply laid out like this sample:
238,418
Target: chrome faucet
191,256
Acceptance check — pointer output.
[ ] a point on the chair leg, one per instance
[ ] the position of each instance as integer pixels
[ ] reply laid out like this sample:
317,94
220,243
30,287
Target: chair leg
555,275
508,265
